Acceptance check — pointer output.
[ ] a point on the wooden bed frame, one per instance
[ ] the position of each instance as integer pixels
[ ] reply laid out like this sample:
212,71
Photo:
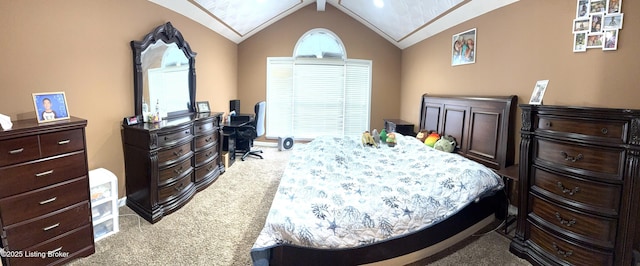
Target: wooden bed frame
484,129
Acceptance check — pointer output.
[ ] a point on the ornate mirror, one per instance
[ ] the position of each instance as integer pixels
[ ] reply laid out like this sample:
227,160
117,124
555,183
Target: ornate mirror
164,73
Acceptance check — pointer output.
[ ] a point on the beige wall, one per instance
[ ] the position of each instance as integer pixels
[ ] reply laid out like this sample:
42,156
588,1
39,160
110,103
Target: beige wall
519,44
279,40
82,48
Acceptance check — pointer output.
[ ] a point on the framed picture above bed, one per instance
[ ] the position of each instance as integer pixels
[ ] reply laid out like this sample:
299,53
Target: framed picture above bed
463,49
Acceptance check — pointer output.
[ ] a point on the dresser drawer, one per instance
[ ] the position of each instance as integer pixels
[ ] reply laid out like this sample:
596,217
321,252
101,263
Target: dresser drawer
23,235
19,150
174,137
586,194
175,154
207,155
205,141
25,177
44,200
595,229
175,172
610,130
568,252
588,160
205,170
203,127
80,239
170,192
61,142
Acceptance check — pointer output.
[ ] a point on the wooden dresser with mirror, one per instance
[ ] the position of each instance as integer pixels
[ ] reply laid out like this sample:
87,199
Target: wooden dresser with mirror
579,187
168,161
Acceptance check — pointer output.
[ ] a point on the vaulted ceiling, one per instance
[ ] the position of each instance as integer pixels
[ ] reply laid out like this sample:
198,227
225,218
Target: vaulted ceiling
401,22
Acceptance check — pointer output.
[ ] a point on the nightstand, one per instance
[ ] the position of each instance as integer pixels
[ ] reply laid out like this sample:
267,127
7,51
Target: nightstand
510,175
396,125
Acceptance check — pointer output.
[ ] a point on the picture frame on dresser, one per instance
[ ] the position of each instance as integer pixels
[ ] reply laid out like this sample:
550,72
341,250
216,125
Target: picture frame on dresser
538,92
50,106
203,107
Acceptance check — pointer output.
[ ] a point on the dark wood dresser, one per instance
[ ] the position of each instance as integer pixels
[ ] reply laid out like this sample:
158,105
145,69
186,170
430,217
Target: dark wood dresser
166,163
45,212
579,186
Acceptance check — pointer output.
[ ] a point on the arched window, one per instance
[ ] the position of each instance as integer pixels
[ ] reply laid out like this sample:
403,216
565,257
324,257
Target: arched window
319,43
318,91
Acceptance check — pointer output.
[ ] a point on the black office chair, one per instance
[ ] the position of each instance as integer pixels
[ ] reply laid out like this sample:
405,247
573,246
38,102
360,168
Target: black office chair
246,134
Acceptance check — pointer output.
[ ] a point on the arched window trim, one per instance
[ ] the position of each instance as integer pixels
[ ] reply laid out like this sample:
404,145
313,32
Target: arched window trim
317,30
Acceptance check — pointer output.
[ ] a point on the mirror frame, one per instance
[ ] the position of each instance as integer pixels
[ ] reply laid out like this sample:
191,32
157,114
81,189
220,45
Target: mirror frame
168,34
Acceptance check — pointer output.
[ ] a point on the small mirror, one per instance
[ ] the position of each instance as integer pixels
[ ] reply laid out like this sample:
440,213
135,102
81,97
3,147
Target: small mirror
164,73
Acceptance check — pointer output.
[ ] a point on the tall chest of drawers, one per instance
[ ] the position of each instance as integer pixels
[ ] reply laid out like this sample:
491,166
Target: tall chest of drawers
579,186
45,214
167,163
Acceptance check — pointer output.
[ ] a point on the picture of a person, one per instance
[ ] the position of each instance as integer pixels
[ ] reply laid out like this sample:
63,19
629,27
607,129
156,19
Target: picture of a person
47,114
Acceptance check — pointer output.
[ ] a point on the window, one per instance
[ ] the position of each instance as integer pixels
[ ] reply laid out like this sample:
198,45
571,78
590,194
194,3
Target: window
318,91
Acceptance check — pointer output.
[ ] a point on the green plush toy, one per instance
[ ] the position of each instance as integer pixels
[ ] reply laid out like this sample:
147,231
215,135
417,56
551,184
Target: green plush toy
445,143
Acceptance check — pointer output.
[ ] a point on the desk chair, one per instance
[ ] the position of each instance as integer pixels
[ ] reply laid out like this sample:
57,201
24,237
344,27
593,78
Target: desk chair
246,134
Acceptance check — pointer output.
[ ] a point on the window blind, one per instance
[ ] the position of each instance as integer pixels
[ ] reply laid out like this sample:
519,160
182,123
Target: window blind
311,97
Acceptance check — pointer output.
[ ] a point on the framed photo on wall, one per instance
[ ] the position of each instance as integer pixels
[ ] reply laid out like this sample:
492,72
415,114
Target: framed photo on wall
463,49
582,10
610,40
50,106
538,92
579,40
613,21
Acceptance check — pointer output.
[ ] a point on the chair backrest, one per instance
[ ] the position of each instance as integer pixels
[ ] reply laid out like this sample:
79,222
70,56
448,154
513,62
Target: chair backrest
260,109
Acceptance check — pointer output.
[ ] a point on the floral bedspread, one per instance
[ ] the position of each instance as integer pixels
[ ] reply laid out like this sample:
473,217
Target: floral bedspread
336,193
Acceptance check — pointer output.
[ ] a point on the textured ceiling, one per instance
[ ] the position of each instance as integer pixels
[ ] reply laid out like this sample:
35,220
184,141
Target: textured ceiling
401,22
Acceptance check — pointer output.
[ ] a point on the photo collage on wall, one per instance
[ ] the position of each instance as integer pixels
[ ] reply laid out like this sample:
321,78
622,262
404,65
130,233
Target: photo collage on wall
597,24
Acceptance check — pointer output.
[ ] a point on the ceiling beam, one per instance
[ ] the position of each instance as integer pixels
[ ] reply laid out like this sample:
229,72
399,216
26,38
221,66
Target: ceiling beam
321,4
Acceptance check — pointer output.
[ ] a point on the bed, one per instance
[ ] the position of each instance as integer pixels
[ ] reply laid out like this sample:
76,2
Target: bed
342,203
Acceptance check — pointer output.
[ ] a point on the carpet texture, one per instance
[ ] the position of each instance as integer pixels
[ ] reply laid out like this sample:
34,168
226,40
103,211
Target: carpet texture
219,225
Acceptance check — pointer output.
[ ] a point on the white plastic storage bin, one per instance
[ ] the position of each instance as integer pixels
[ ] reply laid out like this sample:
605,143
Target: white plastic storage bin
104,203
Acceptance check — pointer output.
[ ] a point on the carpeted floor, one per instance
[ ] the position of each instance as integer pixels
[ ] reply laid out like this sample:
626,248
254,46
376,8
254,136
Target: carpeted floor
219,225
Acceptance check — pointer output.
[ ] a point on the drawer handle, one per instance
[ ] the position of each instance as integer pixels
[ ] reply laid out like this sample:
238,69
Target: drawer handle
565,222
16,151
566,190
187,132
50,227
62,142
178,153
548,124
179,187
208,139
48,201
210,168
177,171
55,250
208,154
573,159
559,251
44,173
604,131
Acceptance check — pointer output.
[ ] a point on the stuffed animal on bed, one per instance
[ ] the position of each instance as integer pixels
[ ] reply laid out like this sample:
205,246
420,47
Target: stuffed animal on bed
391,139
432,138
367,140
422,135
445,143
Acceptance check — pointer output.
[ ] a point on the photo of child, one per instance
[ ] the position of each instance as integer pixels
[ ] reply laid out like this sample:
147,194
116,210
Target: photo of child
50,106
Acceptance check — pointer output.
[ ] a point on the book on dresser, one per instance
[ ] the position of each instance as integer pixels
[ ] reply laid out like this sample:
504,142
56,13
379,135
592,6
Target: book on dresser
579,189
45,211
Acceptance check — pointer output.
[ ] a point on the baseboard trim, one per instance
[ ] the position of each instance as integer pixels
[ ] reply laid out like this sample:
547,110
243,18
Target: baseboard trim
122,201
265,144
